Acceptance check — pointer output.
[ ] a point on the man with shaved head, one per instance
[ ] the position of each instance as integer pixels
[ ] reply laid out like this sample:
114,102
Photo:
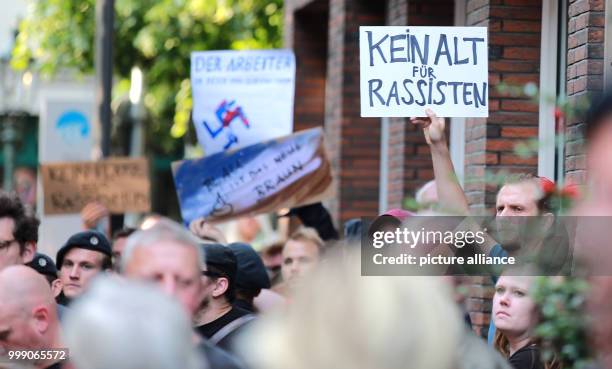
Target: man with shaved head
28,316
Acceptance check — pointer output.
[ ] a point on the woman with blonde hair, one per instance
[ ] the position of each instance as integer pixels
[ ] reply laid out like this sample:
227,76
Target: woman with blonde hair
340,319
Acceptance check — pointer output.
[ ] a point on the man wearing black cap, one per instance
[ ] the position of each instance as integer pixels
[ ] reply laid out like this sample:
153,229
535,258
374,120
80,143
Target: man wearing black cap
82,257
44,265
217,319
251,275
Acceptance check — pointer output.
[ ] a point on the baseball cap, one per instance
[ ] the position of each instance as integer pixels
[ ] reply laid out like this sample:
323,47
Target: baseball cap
251,272
222,259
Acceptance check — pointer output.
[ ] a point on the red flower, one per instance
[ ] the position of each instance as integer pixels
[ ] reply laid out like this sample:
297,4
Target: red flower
547,186
570,191
559,113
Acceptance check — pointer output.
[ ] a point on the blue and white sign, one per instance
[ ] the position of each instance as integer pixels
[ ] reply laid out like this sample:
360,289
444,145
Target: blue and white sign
72,126
67,130
241,97
259,178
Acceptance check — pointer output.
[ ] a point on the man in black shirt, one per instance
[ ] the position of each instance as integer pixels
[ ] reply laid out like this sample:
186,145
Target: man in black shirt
251,275
218,320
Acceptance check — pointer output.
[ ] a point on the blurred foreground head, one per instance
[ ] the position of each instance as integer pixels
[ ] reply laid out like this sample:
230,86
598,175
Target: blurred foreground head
342,320
598,136
123,324
600,311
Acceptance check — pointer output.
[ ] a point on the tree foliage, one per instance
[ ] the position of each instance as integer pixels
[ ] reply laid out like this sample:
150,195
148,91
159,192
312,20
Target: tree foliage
564,321
156,35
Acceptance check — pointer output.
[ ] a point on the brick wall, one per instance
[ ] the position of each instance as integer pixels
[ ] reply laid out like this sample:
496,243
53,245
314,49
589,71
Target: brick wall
514,59
306,33
324,34
354,141
585,44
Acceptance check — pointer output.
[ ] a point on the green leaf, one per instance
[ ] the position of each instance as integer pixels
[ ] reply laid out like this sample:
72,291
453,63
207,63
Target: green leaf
158,36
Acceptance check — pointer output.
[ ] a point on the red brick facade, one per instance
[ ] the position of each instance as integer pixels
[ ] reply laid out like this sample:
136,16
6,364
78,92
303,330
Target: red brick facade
585,44
324,36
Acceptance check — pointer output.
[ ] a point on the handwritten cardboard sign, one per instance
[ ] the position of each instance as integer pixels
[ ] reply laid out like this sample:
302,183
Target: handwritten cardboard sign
405,70
286,172
241,97
122,185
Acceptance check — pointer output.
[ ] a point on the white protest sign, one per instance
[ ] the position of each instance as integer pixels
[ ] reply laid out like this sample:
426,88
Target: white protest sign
405,70
286,172
241,97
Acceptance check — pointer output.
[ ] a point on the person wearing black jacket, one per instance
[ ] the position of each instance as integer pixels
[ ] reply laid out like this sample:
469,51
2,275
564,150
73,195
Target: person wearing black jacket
251,275
218,319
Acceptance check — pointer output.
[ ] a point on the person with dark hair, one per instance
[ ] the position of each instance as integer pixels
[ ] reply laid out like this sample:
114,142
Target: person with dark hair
79,260
217,319
251,275
18,232
316,216
272,257
119,241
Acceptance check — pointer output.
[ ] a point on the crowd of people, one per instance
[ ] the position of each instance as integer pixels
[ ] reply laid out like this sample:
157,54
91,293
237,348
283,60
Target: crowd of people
167,296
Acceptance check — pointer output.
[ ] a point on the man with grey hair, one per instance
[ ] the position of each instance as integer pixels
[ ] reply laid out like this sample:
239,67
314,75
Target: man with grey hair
168,255
144,329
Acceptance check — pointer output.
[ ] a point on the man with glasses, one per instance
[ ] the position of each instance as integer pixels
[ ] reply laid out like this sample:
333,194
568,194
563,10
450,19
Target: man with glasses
218,319
18,232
